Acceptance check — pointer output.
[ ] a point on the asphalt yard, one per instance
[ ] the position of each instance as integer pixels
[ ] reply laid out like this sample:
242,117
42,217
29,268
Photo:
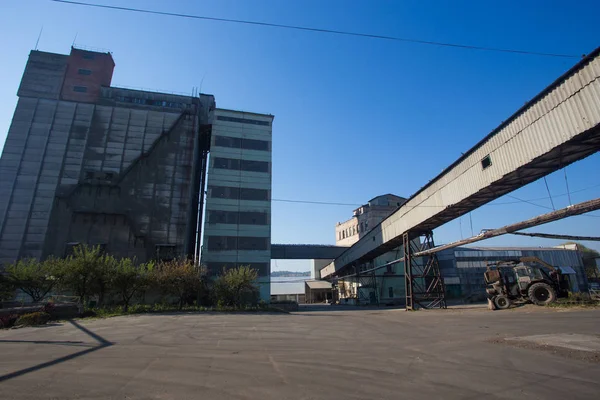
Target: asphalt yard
470,353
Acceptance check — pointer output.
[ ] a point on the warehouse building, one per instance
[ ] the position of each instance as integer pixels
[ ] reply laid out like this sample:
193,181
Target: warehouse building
86,162
462,270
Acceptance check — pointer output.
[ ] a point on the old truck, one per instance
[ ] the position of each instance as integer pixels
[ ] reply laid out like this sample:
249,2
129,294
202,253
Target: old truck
526,279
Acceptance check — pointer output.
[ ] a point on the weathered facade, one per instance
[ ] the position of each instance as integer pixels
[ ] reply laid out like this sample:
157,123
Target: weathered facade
366,217
88,163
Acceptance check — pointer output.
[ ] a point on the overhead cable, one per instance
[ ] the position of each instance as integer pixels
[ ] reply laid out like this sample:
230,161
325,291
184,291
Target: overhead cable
320,30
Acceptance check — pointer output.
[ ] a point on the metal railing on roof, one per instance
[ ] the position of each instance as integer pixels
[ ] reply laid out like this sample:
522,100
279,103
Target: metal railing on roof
142,89
90,48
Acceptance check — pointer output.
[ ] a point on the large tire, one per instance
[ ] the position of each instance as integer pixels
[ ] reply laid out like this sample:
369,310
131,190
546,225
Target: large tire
502,302
541,294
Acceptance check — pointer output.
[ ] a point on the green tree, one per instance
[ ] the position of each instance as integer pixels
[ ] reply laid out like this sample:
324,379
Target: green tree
179,278
34,278
236,287
7,288
87,272
129,279
589,260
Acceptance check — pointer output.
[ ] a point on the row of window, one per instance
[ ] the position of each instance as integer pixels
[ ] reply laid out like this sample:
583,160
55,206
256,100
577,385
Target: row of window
353,230
240,165
215,268
226,243
151,102
237,217
226,192
243,120
241,143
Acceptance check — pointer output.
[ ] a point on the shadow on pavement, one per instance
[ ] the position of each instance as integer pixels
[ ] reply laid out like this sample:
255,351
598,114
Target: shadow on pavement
102,343
57,342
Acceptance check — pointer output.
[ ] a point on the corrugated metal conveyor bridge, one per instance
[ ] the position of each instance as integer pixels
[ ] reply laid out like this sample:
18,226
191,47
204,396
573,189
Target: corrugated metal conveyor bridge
556,128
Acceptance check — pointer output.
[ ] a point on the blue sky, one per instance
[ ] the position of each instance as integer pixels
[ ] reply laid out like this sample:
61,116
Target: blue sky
354,117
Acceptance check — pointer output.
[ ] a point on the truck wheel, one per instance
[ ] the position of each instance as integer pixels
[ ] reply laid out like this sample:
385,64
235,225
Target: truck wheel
502,302
541,294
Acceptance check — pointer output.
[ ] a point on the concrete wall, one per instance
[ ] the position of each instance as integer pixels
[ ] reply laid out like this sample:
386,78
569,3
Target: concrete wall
117,172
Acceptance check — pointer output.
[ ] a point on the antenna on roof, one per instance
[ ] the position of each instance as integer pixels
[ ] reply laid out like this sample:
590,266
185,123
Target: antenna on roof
74,39
39,36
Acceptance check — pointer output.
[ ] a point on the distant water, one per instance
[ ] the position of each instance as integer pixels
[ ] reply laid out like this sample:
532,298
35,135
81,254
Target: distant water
288,285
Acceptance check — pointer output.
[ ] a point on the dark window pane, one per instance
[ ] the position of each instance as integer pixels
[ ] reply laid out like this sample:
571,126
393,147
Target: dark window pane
252,243
252,144
224,192
243,120
82,71
253,218
216,268
88,56
226,163
254,194
254,166
225,141
81,89
221,243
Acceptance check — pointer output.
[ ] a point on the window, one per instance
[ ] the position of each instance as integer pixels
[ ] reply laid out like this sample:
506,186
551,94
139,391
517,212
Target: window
225,192
225,243
221,243
89,56
165,252
226,163
233,217
252,243
243,120
253,144
243,143
254,166
486,162
83,71
389,269
80,89
225,141
391,291
254,194
252,218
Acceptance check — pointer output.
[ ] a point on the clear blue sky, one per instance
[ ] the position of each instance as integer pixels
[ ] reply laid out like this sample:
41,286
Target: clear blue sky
354,117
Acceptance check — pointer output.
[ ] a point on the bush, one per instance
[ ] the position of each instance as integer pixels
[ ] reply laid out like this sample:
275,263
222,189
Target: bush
33,319
236,288
181,279
7,321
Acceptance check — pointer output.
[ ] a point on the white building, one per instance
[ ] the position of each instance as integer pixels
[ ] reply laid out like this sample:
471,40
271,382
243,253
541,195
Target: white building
237,227
365,218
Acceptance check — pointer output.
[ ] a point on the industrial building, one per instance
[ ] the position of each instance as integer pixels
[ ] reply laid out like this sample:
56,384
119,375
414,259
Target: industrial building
462,271
237,228
365,217
85,162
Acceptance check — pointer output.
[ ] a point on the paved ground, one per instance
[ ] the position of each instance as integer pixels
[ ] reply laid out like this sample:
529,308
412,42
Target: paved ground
354,354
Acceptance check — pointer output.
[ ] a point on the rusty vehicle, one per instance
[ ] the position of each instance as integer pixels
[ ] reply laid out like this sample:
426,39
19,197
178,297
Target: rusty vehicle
526,279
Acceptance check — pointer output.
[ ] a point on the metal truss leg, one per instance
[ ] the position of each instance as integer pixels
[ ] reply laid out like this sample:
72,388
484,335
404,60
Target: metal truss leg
423,280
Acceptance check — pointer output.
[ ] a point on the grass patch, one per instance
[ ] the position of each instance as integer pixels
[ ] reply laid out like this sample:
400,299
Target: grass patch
574,303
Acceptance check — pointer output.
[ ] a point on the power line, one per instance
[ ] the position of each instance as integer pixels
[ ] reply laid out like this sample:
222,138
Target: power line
320,30
328,203
549,195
